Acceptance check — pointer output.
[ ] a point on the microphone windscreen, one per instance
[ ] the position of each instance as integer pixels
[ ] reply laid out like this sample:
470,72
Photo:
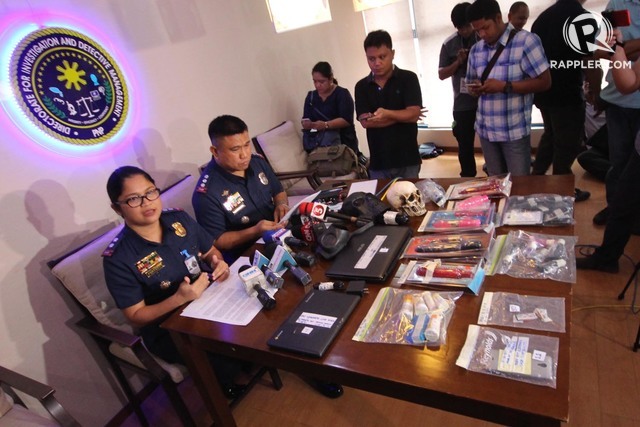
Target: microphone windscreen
304,232
270,249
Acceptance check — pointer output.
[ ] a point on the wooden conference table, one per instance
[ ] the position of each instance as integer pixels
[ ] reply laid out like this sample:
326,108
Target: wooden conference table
425,376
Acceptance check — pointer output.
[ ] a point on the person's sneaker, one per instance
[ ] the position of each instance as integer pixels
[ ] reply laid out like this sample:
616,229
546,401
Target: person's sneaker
233,391
330,390
581,196
592,263
601,217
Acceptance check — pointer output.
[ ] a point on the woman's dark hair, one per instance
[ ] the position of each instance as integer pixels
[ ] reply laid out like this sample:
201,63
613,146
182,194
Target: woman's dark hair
116,180
459,15
324,68
483,9
225,125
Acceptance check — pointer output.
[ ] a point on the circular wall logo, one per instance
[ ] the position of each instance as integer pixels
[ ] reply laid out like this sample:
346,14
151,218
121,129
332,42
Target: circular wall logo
587,33
69,86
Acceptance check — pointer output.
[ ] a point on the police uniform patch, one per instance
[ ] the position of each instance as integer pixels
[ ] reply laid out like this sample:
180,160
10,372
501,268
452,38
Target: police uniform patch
179,229
263,178
111,248
234,203
150,264
202,185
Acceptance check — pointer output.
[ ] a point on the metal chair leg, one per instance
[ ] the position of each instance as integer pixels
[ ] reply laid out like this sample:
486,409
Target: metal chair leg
633,276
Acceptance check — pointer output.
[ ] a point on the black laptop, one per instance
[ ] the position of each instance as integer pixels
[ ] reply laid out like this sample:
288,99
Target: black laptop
372,255
314,323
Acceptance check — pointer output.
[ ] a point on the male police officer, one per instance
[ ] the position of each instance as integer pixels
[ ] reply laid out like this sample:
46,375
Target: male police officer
239,197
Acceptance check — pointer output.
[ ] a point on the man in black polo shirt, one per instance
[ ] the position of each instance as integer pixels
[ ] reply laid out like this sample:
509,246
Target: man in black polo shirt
563,105
388,106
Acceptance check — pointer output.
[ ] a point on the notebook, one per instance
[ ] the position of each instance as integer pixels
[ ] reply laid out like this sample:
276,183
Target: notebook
314,323
372,255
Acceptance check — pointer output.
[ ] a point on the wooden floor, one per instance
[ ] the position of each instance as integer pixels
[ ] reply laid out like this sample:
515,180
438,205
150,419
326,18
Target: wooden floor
605,373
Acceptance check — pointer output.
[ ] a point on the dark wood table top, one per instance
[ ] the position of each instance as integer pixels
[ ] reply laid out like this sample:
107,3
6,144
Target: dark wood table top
426,376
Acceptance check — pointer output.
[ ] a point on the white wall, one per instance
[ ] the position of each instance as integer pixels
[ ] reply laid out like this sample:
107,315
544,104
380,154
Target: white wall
192,60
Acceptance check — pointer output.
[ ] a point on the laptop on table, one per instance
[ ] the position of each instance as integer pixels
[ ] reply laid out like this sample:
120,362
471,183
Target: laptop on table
371,255
314,323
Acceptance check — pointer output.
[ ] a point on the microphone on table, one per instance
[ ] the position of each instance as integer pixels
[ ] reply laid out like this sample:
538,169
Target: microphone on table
302,230
255,282
281,258
262,262
322,212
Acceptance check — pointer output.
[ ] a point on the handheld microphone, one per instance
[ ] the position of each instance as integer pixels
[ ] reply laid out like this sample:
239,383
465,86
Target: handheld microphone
262,262
254,283
273,278
274,235
322,212
280,257
302,230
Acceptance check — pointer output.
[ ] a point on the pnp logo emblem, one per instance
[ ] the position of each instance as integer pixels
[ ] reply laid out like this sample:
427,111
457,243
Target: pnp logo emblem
69,86
587,33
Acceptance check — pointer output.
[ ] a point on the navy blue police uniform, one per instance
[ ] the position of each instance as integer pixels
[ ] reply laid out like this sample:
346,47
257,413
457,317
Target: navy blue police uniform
225,202
136,269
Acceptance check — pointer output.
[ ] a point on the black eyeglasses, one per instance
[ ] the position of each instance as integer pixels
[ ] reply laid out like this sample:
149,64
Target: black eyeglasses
136,201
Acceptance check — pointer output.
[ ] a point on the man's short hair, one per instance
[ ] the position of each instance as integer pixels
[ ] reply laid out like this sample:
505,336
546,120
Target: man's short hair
459,14
378,38
226,125
483,9
516,6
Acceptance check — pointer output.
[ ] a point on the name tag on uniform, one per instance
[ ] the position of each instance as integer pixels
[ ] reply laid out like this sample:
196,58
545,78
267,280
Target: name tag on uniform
234,203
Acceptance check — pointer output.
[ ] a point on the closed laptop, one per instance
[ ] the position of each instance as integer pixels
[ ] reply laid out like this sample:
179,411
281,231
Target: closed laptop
314,323
371,255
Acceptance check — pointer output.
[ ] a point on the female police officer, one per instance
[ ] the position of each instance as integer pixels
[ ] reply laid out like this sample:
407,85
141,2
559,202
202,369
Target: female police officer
147,264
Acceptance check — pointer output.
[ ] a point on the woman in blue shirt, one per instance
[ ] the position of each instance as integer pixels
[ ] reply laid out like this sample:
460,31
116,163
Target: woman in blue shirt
329,107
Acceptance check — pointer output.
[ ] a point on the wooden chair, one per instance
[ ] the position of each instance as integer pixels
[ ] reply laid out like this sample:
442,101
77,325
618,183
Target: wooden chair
13,410
80,272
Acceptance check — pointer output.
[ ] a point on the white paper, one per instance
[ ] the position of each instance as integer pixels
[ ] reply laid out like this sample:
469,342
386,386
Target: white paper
227,302
369,186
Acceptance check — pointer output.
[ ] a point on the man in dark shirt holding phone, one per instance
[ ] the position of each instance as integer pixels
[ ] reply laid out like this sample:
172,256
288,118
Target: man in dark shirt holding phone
388,106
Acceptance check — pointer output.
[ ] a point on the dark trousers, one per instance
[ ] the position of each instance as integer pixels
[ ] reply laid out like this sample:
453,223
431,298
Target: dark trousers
623,125
624,210
465,135
561,140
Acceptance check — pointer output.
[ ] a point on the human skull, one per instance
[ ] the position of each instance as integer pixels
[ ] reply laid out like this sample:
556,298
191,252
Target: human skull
405,196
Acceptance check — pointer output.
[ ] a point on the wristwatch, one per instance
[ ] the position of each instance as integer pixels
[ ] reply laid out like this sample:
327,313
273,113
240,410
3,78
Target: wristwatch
508,87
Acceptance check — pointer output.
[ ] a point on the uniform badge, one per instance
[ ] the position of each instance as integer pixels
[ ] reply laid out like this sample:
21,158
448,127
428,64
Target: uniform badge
263,178
244,219
234,203
150,264
225,193
179,228
165,284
